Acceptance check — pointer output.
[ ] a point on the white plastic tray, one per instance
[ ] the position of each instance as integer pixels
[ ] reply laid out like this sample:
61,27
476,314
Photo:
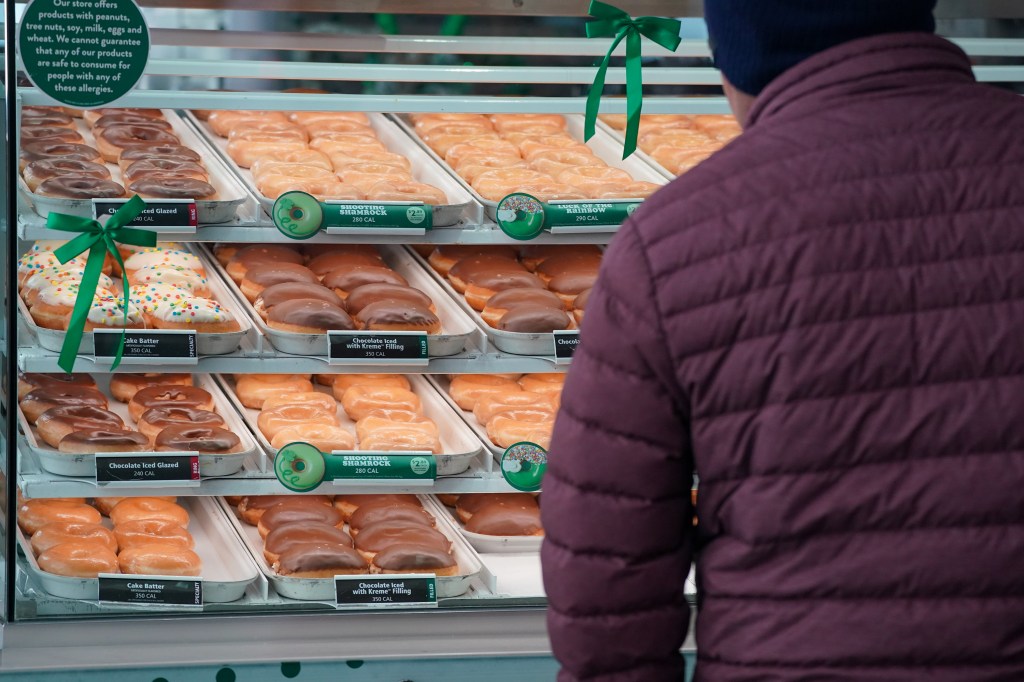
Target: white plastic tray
488,544
231,193
603,146
227,565
423,169
64,464
207,343
516,343
458,444
322,589
456,328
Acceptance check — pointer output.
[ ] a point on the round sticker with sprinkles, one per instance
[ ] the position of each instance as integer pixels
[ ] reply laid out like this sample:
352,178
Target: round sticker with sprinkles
523,466
521,216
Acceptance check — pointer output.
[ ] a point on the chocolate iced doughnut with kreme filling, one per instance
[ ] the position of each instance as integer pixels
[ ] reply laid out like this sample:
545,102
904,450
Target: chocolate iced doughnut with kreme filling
415,559
288,291
252,507
360,297
308,316
257,279
320,561
381,536
285,514
345,279
535,319
508,299
395,315
290,535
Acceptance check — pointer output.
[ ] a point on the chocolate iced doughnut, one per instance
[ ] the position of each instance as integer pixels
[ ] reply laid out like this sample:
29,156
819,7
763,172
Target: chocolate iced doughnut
29,381
534,319
345,279
175,152
288,291
382,535
415,559
42,399
506,519
34,151
146,168
308,316
284,537
168,396
127,135
206,439
173,188
51,134
155,420
44,169
103,440
394,315
285,514
57,422
572,282
360,297
370,514
51,119
269,274
108,120
320,561
75,187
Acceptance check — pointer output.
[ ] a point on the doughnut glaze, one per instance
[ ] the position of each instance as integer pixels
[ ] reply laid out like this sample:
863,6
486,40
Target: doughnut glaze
197,438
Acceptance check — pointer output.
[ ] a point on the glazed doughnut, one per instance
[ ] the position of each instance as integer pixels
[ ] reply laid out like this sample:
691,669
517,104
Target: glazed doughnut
323,438
347,504
579,304
78,560
364,176
159,559
323,126
425,122
34,514
254,389
44,169
341,159
392,315
406,191
283,514
30,381
222,121
168,396
370,514
552,191
268,131
307,117
535,254
320,561
480,145
443,137
152,532
360,297
473,166
73,187
346,143
151,168
359,401
111,141
288,536
308,316
153,421
547,384
631,190
124,386
381,536
344,279
500,402
270,421
287,291
136,508
307,157
106,504
58,422
251,508
167,187
172,152
210,440
415,559
399,439
410,422
299,171
532,146
312,398
42,399
515,121
594,180
324,189
53,534
497,184
92,441
504,301
518,426
326,262
35,151
444,257
51,134
343,382
247,152
259,278
466,389
556,162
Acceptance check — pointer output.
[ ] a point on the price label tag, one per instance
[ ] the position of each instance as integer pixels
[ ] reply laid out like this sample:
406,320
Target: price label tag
565,217
175,216
393,218
131,468
146,346
347,468
377,348
566,343
394,591
151,590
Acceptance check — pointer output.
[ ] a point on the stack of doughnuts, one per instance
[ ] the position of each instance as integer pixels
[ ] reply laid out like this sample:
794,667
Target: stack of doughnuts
320,536
166,414
329,154
168,290
382,410
129,151
149,536
512,408
678,141
327,287
532,153
500,514
537,289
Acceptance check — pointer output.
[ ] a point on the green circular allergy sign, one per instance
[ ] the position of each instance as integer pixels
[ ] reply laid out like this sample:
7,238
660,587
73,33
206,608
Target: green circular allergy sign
297,215
523,466
520,216
84,53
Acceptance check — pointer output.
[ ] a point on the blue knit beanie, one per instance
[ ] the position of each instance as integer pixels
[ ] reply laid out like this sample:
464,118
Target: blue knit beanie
754,41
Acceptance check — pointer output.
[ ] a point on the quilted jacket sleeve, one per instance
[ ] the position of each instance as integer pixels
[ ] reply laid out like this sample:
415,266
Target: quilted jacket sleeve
616,501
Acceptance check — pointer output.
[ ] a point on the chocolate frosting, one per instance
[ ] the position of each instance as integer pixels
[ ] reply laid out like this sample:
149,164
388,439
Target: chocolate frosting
105,437
506,519
263,253
391,311
360,297
499,280
534,319
462,251
380,536
72,187
166,416
45,119
544,251
269,274
108,120
467,267
51,134
513,298
325,262
171,396
289,535
348,278
575,261
268,501
82,417
42,380
164,151
48,168
173,188
369,514
288,291
319,557
580,302
412,557
197,438
573,281
471,503
70,394
281,514
145,168
311,313
386,499
33,151
129,135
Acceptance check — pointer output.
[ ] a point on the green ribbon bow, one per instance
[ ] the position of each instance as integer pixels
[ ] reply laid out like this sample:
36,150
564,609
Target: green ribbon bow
98,239
612,21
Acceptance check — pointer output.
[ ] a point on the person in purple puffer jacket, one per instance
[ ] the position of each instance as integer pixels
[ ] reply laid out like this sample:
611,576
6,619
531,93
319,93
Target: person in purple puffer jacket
825,320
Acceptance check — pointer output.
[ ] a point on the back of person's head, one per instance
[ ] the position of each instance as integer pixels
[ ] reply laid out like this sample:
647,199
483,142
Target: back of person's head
755,41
